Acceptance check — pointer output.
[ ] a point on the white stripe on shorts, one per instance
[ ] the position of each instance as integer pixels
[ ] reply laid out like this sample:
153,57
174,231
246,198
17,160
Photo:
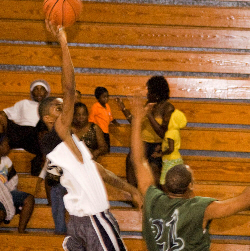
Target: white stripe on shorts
108,230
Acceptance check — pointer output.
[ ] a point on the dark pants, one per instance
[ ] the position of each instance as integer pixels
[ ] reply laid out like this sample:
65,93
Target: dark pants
156,164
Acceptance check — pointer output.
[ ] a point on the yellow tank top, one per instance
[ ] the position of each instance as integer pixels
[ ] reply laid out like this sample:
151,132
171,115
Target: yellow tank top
148,133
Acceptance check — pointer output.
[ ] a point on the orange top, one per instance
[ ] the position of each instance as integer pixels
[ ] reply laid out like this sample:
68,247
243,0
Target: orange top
101,116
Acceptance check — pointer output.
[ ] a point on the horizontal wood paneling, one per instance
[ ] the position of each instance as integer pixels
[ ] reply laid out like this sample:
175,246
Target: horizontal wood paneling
17,83
130,220
213,139
204,168
130,35
94,12
50,242
27,183
156,60
220,190
230,245
219,168
233,225
195,111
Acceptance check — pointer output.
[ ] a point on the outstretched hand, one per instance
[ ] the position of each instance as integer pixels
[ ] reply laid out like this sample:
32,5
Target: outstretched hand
57,31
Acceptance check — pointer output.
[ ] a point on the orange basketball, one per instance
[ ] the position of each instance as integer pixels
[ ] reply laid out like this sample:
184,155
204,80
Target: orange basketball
62,12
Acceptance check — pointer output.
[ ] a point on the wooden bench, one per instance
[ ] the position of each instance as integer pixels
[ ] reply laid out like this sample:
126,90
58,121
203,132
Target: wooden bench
205,168
182,15
196,111
123,58
195,138
137,35
16,83
130,220
216,189
40,241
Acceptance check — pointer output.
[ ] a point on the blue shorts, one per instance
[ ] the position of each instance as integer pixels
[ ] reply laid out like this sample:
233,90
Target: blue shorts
18,199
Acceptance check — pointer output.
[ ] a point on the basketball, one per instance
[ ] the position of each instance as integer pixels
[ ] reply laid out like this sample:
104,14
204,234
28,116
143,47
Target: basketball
62,12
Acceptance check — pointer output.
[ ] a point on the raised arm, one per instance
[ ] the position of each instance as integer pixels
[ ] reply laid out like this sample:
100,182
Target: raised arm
225,208
145,177
63,124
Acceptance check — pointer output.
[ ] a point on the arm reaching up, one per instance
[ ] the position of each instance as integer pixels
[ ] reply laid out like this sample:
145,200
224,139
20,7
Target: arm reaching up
145,177
63,122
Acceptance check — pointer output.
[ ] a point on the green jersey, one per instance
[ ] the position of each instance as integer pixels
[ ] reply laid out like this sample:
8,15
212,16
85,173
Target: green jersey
174,224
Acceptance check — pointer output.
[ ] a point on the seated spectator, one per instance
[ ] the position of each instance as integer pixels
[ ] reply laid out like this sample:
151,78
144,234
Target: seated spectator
12,201
25,112
88,132
25,137
22,126
100,113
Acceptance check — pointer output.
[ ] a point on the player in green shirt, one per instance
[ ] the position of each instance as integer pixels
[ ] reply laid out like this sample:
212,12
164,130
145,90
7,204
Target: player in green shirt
175,219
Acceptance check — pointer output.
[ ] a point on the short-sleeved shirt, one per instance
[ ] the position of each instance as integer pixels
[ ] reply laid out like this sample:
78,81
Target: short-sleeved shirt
175,223
101,116
24,112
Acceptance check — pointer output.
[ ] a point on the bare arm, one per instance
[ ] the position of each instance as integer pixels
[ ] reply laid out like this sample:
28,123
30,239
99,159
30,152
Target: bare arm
63,124
225,208
159,129
125,111
111,179
145,177
170,148
102,146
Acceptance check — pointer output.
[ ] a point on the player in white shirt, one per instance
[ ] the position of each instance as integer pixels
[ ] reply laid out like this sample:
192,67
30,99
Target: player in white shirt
91,225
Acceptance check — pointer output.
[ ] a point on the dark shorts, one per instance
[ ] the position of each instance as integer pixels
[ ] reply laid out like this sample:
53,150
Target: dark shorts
18,199
96,233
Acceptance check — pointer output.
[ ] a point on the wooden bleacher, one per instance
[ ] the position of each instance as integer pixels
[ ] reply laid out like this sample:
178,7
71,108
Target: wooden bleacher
202,51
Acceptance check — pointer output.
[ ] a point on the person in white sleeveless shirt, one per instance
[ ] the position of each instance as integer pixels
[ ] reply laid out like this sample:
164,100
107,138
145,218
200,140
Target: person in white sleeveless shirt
91,225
